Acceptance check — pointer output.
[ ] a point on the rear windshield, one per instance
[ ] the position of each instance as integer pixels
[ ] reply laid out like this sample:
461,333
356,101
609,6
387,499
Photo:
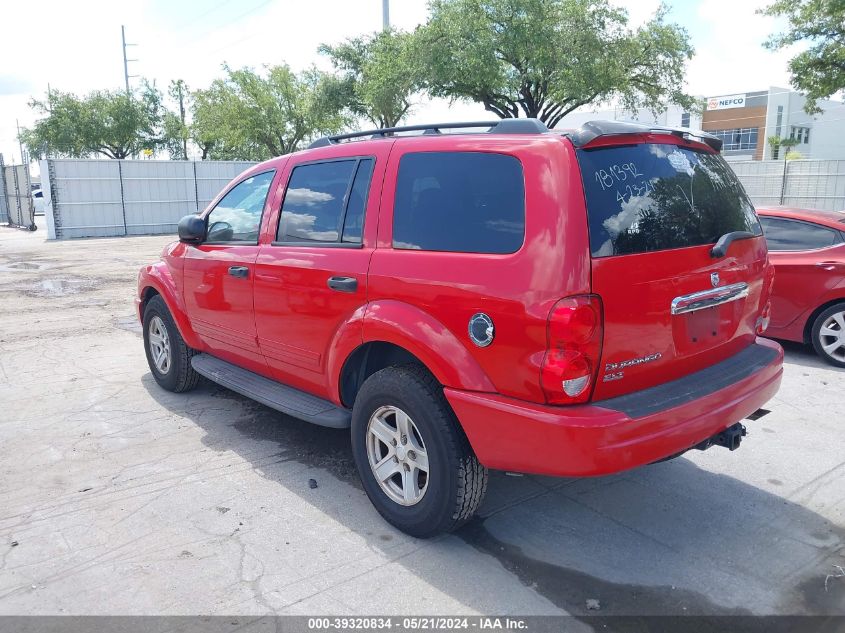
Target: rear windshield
652,197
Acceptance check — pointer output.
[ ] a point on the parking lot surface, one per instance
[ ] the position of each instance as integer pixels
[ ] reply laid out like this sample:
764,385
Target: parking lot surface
117,497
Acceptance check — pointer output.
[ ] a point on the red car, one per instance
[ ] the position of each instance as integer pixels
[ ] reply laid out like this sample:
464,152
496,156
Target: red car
807,248
474,296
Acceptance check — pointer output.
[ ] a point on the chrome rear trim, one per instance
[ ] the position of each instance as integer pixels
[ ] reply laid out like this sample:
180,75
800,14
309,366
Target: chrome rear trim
709,298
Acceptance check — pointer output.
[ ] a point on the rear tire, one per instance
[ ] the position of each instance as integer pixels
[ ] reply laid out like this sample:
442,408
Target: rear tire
449,491
168,356
828,335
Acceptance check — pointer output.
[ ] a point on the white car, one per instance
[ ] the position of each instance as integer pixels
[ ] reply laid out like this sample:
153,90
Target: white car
38,201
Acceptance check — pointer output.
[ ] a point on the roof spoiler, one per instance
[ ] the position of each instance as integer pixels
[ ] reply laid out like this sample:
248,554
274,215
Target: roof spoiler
595,129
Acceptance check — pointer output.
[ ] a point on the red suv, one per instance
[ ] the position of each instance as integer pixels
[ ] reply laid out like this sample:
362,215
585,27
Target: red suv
486,295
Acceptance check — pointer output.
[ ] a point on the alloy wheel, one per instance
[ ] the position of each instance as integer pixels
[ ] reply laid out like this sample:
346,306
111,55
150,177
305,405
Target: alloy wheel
159,342
397,455
832,336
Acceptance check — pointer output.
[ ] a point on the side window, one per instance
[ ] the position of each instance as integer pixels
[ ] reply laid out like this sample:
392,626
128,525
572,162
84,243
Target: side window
237,217
465,202
791,235
325,202
357,205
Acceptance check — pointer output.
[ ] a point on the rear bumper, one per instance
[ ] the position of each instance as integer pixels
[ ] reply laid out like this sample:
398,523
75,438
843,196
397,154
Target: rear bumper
622,433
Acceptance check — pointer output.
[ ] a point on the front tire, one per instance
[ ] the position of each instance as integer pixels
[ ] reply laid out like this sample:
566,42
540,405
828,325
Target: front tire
828,335
415,463
168,356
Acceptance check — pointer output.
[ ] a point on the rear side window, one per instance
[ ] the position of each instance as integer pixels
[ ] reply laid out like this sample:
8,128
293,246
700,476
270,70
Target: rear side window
467,202
792,235
652,197
357,204
326,201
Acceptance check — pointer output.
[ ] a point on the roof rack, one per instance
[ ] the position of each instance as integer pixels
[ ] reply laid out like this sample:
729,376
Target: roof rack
503,126
594,129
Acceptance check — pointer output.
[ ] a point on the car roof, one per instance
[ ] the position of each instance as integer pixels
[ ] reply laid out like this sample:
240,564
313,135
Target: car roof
833,219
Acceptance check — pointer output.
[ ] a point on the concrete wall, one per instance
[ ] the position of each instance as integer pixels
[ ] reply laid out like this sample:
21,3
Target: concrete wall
103,198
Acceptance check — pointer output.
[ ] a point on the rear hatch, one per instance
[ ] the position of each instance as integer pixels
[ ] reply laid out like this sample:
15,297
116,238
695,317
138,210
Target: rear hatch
656,208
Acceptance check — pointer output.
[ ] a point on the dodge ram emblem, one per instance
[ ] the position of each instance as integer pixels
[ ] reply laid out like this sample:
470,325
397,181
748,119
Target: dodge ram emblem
481,330
714,279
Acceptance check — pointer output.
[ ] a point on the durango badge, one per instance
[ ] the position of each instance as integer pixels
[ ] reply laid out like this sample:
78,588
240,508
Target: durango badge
481,330
714,279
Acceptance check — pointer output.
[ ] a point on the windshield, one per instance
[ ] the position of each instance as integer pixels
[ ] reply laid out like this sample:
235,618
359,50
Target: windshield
651,197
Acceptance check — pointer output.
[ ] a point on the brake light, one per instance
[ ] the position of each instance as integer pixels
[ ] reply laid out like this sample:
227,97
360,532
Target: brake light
764,318
575,332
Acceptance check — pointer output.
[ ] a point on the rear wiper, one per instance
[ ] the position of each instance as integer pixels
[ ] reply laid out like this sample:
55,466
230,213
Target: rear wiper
721,248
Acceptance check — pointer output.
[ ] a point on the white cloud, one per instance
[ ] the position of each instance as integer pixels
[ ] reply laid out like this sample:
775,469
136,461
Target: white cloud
75,46
730,57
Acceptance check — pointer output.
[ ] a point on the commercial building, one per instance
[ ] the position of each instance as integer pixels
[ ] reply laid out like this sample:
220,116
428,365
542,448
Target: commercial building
746,121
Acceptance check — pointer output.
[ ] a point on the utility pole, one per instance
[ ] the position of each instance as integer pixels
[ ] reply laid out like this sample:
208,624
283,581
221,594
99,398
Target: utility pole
126,61
20,143
385,14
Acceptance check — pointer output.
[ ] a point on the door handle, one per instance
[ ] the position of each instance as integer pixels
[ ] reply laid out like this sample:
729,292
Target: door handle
828,265
239,271
343,284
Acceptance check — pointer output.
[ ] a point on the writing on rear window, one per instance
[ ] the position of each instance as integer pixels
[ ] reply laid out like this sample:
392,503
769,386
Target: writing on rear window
615,174
651,197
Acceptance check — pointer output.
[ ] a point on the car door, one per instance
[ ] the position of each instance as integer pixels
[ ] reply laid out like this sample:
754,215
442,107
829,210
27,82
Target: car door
218,273
311,280
808,262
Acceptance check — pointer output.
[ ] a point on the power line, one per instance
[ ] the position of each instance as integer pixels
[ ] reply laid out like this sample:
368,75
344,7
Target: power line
228,23
199,18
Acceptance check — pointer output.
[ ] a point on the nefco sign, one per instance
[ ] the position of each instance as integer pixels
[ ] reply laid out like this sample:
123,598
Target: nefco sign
725,103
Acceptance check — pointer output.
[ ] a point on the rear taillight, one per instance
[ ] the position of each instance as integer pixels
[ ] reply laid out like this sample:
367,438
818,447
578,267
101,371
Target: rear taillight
764,318
575,331
765,315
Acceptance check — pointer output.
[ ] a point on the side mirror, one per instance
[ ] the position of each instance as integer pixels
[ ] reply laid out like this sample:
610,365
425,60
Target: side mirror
192,229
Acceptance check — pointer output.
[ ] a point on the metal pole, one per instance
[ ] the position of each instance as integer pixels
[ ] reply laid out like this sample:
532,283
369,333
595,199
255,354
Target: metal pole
20,143
385,14
125,62
4,194
122,196
196,186
783,181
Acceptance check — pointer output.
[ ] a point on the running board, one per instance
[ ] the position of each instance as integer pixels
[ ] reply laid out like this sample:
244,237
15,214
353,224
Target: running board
275,395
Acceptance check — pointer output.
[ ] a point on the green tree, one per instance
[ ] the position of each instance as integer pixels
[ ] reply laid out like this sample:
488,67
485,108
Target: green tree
175,129
107,122
818,71
545,58
253,116
378,76
776,143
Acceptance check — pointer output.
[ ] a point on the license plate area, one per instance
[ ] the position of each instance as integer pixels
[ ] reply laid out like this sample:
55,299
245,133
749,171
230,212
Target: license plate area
705,329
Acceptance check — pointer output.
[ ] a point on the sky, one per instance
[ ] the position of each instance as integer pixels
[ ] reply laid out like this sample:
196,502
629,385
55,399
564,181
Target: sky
76,46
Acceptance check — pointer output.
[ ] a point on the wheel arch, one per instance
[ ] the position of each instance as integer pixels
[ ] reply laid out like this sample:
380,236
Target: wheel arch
808,325
396,333
153,282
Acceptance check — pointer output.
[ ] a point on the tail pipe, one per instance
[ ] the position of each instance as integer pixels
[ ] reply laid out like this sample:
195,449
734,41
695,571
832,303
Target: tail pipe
730,438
